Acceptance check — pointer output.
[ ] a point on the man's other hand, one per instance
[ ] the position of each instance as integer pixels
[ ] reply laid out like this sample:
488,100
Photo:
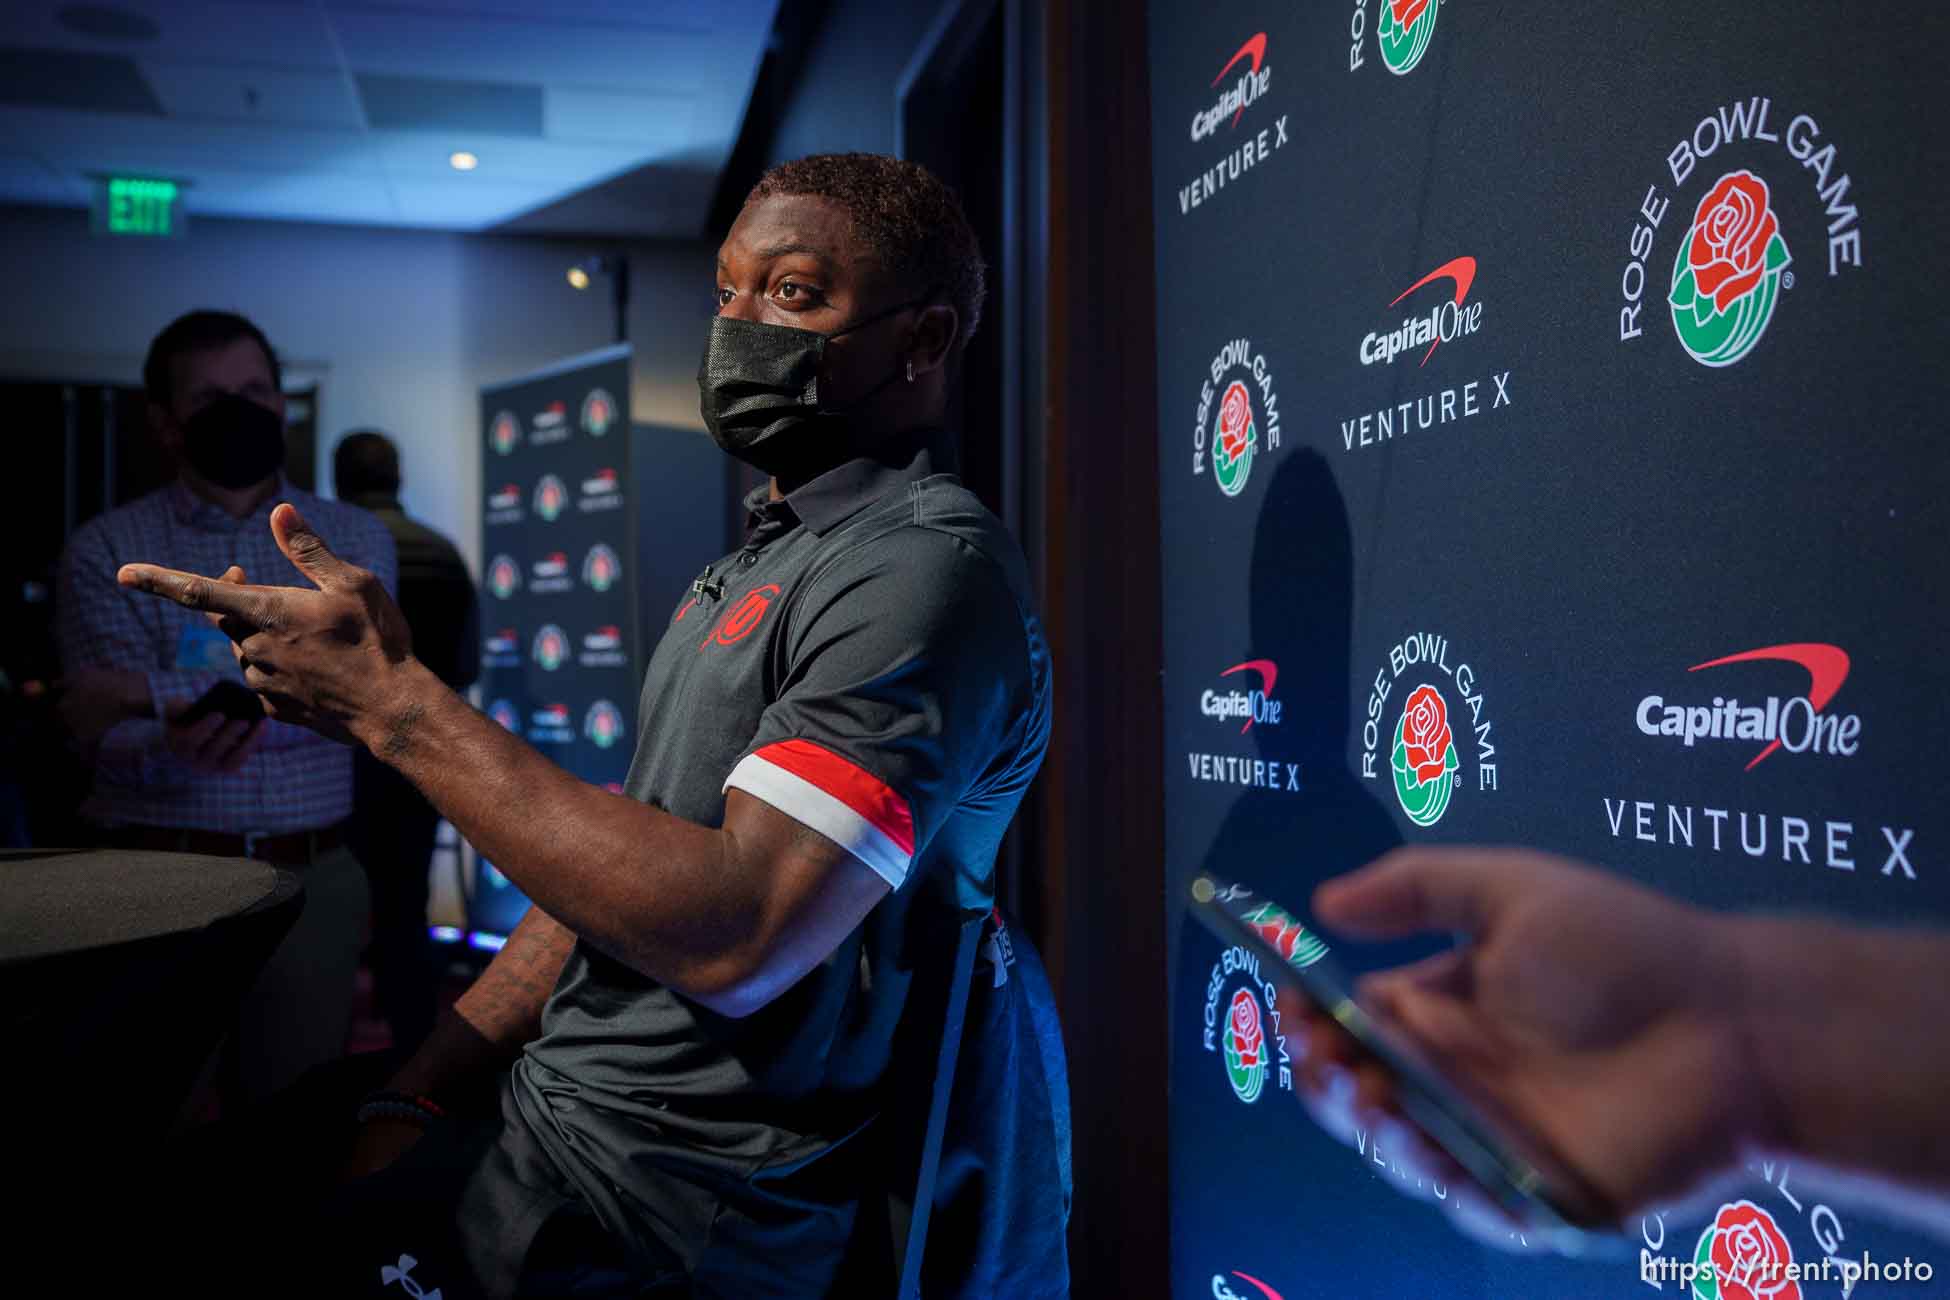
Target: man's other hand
379,1143
213,743
321,659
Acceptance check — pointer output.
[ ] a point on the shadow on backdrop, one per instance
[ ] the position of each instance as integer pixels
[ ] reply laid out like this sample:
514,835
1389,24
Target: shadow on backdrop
1331,1221
1302,610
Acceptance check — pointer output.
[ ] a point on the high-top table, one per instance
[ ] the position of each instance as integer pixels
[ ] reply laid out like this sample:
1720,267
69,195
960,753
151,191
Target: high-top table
120,971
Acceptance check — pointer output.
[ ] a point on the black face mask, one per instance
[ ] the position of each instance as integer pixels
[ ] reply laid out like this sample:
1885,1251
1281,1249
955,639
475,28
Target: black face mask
234,442
758,390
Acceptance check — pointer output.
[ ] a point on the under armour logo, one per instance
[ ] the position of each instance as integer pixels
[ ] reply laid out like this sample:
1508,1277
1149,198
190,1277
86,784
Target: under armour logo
403,1274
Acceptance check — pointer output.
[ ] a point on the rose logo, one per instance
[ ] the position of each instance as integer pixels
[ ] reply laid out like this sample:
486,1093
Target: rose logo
1299,945
551,496
1234,440
504,433
504,576
1424,758
1405,30
1245,1047
1728,273
598,412
604,724
551,647
601,567
1743,1256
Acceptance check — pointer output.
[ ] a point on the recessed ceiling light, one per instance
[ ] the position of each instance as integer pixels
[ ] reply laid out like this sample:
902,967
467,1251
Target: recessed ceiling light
463,161
578,277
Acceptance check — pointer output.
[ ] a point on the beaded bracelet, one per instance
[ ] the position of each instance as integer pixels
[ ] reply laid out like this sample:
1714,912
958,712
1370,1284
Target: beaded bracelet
411,1107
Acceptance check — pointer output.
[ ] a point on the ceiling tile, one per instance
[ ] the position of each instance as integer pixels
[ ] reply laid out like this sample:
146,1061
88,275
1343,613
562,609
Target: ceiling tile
294,196
96,83
563,163
82,142
461,204
676,15
494,49
573,113
261,116
427,103
254,93
29,180
289,34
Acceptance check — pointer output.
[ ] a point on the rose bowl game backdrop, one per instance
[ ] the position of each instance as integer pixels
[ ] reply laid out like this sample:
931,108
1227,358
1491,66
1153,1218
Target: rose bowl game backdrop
1551,405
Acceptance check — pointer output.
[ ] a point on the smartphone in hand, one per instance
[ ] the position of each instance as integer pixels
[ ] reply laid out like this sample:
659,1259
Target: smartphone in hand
1554,1206
232,699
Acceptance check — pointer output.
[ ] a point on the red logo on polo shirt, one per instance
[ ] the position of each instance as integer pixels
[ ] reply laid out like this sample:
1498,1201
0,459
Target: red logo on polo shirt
739,621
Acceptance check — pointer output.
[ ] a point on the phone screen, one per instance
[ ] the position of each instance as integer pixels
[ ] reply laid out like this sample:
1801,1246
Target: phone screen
1298,960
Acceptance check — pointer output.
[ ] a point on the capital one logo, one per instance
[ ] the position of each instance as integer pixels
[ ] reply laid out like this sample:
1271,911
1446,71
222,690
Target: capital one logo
1254,705
1797,724
1450,320
740,620
1222,1289
1251,84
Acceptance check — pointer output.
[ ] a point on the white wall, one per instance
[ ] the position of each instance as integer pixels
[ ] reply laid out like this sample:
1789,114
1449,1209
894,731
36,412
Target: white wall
399,328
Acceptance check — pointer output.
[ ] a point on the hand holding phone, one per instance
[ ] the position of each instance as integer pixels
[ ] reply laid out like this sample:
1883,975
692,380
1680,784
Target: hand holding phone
1600,1030
1525,1187
231,699
217,731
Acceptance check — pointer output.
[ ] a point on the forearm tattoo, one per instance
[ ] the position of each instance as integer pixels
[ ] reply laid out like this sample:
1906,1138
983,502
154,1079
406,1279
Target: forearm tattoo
401,736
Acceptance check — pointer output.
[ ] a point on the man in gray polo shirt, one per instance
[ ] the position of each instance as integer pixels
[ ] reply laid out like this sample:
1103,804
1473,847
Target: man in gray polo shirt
836,728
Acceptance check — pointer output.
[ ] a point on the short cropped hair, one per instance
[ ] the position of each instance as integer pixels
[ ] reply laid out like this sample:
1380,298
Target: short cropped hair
199,331
366,461
905,214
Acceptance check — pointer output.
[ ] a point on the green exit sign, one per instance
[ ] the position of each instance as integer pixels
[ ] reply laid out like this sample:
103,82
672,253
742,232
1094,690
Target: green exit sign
134,205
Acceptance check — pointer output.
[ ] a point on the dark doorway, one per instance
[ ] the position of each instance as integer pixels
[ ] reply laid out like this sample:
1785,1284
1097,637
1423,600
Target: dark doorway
951,110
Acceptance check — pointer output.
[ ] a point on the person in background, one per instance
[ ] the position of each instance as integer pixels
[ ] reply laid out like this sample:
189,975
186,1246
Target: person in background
393,826
1642,1047
171,777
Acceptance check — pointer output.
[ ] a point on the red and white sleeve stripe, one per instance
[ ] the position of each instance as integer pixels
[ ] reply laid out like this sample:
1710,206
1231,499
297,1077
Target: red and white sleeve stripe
836,797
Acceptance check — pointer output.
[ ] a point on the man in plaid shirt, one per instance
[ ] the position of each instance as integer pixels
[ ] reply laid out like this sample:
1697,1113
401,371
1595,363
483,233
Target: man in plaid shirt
225,785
